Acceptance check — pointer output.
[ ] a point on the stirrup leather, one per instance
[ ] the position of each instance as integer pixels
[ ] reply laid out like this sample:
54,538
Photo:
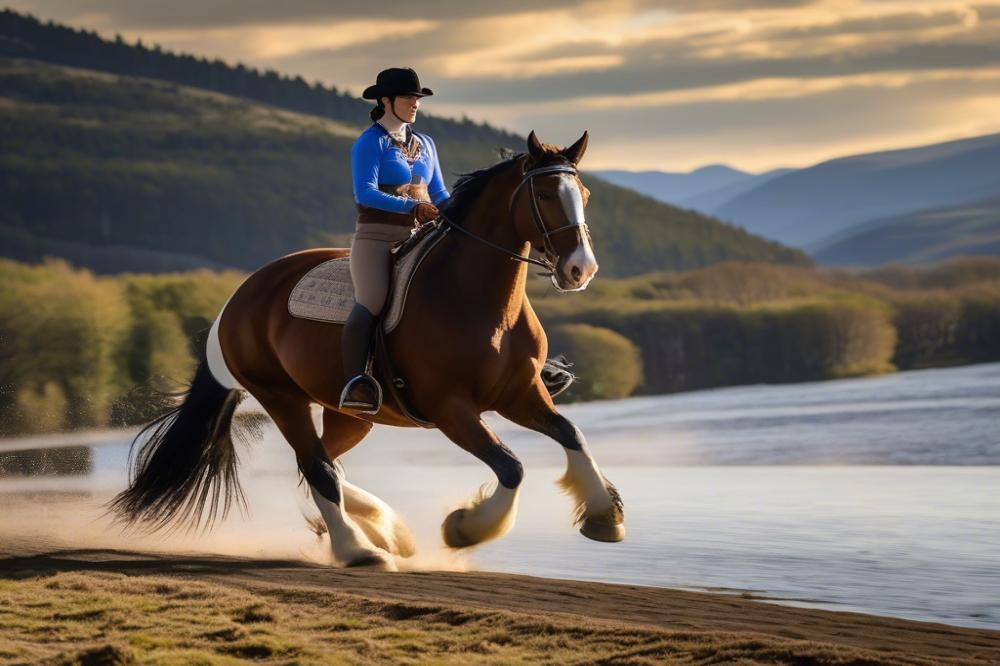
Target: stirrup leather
362,407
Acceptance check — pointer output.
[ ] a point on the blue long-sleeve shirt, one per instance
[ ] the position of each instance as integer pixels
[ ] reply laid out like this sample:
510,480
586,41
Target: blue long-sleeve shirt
376,160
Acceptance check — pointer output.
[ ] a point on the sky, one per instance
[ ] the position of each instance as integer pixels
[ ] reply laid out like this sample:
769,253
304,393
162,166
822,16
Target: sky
668,85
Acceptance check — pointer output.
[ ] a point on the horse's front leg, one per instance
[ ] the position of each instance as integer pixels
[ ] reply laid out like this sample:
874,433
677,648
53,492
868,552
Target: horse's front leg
599,511
491,513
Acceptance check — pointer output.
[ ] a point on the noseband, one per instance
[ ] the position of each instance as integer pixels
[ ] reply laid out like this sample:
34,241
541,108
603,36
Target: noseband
536,215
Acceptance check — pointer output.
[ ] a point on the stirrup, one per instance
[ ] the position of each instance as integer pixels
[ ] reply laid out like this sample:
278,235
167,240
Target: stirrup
361,407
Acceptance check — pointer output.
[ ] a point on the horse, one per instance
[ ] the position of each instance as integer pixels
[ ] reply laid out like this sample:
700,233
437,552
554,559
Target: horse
468,342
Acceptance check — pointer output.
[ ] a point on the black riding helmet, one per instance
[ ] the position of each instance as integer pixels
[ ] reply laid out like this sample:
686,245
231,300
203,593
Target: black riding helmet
394,82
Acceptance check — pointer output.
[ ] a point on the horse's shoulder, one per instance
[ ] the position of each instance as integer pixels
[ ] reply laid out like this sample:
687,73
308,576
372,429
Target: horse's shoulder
528,324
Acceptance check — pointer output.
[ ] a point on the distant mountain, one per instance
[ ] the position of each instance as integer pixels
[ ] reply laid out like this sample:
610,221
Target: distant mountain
804,207
922,237
709,202
673,188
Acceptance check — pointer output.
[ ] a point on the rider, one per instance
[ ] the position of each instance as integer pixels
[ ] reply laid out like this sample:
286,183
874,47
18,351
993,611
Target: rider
397,185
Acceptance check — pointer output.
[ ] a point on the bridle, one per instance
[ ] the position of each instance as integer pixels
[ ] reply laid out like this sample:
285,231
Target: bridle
548,262
536,214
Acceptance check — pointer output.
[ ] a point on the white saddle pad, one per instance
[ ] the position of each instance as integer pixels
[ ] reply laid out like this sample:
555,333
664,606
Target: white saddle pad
326,293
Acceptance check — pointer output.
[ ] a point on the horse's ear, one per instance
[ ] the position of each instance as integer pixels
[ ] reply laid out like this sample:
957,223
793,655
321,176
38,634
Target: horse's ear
575,152
535,148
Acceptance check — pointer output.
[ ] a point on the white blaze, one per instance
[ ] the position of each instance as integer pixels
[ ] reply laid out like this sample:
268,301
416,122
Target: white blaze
572,201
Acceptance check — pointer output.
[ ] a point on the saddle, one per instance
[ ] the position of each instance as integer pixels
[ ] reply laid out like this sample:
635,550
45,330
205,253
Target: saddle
326,293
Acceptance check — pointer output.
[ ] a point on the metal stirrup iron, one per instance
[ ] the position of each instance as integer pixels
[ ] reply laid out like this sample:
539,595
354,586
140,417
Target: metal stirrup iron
362,408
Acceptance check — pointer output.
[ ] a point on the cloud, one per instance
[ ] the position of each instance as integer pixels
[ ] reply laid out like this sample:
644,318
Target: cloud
702,6
267,42
678,72
225,13
769,81
795,131
552,55
901,22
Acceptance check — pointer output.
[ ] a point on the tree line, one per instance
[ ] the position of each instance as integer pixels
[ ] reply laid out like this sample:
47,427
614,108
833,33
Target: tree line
79,351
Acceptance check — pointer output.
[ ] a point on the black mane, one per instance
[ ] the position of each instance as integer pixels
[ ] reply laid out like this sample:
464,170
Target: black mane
470,185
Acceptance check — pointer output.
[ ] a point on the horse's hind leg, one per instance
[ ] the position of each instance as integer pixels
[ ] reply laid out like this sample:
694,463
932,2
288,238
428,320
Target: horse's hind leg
491,514
380,523
291,414
599,510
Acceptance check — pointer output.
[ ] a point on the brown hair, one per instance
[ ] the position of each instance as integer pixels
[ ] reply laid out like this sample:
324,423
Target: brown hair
379,109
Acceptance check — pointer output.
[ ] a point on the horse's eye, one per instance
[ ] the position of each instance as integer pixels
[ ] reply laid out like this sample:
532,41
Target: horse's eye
542,196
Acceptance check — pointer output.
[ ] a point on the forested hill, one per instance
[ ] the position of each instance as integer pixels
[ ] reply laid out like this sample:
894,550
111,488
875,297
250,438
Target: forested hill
120,172
23,36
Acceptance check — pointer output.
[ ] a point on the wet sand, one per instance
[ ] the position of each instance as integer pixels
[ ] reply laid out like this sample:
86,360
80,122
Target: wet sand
597,622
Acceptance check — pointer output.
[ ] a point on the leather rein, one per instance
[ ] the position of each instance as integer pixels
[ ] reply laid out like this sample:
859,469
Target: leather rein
536,215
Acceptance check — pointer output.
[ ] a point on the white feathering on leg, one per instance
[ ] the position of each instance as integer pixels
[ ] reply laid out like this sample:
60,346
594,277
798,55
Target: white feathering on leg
349,543
488,516
586,485
378,520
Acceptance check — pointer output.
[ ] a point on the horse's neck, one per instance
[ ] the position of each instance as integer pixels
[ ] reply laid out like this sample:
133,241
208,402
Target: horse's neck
484,273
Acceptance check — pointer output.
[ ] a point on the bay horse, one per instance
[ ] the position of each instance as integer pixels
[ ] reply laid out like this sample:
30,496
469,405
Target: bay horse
468,342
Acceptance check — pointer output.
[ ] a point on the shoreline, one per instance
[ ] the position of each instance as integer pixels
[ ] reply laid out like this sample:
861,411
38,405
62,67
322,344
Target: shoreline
617,619
97,435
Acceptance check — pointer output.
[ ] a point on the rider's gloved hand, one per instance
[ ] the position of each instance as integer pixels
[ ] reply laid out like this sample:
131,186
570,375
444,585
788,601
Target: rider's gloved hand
424,212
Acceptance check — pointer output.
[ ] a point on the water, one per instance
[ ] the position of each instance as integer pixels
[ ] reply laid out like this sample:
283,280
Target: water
877,495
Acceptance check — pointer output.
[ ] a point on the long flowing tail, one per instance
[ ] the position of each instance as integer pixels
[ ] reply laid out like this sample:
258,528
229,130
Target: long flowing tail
185,461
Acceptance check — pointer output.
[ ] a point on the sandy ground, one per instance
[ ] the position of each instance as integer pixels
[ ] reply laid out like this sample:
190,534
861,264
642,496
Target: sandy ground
417,617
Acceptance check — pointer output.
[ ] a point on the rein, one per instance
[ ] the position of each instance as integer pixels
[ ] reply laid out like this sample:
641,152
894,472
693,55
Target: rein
544,263
528,178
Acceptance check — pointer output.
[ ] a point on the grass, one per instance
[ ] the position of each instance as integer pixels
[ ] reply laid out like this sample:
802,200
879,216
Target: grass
112,618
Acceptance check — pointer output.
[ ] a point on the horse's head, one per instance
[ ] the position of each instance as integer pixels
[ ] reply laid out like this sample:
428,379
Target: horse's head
547,209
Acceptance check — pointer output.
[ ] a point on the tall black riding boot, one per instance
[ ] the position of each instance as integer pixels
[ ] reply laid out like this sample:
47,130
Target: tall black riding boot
361,391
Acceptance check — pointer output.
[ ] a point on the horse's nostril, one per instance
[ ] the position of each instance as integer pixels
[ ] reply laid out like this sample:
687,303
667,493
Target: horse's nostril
575,272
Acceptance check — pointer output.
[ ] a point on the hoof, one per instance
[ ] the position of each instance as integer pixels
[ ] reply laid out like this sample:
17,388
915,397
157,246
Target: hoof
451,533
379,561
599,529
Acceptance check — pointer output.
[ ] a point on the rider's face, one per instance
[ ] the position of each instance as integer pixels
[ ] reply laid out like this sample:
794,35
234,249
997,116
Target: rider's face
404,106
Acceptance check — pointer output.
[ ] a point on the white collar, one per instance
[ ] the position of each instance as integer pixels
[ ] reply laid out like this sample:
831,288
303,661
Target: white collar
397,130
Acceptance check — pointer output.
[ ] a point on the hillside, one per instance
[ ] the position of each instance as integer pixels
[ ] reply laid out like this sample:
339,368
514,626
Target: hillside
808,206
118,172
24,36
922,237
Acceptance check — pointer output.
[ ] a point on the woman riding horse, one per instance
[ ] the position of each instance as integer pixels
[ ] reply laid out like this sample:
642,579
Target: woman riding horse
397,180
468,342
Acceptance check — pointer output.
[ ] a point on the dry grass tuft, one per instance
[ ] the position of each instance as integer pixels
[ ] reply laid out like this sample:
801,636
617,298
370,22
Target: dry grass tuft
114,619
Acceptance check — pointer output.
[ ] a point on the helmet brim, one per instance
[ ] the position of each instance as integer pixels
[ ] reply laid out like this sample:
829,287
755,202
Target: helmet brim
375,92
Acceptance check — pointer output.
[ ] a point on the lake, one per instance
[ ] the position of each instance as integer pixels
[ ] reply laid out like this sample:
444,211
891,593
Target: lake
879,495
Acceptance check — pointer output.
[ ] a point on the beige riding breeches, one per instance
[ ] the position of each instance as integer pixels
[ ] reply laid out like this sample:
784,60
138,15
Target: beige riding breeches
371,260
